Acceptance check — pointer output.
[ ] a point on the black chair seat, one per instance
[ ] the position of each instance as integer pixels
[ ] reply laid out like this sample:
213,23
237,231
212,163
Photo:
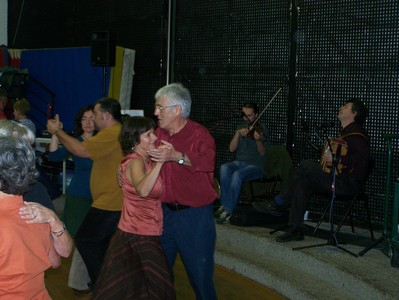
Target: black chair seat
278,167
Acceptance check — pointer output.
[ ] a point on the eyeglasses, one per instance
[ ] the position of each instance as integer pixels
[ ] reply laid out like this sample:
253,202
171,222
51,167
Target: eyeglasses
161,108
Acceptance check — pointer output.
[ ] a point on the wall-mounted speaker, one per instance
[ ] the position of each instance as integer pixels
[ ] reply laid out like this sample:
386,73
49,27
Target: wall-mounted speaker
103,48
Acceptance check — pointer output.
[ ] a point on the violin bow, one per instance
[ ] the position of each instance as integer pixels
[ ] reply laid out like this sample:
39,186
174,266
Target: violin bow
271,100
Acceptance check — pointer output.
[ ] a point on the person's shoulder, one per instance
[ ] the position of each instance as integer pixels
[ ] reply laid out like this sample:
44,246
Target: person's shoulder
38,193
193,125
356,128
110,130
115,126
354,131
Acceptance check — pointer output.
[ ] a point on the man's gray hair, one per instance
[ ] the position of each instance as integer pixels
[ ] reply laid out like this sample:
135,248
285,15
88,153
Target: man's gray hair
17,165
176,94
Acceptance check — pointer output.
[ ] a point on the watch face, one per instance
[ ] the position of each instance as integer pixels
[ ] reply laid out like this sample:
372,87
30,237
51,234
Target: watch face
181,161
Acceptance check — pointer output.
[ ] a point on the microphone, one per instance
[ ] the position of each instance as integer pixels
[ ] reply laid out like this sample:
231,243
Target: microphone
326,125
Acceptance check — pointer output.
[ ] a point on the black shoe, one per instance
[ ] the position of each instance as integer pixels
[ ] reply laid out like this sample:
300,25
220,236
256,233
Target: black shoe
292,235
269,207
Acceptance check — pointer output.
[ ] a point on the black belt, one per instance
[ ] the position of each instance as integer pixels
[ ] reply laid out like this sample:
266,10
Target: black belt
176,206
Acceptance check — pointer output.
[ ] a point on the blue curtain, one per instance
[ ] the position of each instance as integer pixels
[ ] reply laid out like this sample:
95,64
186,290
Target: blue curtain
69,75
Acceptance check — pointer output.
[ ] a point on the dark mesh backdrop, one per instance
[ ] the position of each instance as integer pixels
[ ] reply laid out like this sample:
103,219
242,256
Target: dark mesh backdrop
350,49
230,52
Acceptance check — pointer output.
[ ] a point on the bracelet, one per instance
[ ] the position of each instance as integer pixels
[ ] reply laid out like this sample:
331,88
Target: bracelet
61,232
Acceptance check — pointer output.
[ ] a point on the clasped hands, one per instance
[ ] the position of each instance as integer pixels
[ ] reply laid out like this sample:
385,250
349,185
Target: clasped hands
165,152
53,125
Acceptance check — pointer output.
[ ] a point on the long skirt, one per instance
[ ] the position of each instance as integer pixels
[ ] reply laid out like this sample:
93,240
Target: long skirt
135,267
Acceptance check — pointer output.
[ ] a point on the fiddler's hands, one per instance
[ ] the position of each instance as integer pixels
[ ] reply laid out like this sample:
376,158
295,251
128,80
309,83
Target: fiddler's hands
36,213
257,136
165,152
53,125
243,131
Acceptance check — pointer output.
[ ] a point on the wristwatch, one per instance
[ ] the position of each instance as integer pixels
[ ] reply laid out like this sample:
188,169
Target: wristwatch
181,160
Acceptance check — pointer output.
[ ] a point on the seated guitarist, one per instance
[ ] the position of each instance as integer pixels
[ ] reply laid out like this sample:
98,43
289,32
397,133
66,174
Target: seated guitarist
309,177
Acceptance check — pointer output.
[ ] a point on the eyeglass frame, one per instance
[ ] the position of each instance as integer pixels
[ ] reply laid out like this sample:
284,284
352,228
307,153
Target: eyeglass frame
161,108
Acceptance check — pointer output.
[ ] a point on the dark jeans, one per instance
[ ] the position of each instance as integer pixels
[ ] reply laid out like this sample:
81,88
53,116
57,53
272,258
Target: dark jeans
191,233
232,176
309,178
93,237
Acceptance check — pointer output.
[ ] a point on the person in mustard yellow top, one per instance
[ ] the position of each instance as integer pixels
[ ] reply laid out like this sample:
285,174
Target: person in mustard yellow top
94,234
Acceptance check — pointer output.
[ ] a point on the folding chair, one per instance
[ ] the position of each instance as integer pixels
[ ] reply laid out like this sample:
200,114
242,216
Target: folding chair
350,201
278,167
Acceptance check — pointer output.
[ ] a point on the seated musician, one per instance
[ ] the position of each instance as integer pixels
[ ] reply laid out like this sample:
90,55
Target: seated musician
250,147
310,176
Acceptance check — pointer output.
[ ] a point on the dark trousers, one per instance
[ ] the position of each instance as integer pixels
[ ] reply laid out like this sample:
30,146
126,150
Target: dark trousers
191,233
93,237
309,178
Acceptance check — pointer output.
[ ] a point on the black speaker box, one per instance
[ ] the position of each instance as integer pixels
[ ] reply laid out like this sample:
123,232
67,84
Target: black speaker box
103,48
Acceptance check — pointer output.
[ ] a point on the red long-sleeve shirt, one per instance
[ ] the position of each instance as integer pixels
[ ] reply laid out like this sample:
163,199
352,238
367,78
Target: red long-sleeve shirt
190,185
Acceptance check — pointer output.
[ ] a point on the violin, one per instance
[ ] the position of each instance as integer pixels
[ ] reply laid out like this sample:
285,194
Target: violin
251,131
255,126
340,148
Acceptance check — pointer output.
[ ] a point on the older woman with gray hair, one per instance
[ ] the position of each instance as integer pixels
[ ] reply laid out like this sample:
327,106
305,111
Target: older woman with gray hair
25,251
36,192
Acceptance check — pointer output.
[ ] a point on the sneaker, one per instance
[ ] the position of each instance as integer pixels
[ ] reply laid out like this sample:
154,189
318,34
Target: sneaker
293,234
82,293
269,207
224,218
219,211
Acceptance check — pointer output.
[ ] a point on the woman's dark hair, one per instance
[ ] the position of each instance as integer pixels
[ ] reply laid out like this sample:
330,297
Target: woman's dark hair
132,128
360,108
252,105
17,165
77,123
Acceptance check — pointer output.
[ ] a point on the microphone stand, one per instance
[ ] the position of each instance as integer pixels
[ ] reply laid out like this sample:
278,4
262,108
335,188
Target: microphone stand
332,239
309,141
